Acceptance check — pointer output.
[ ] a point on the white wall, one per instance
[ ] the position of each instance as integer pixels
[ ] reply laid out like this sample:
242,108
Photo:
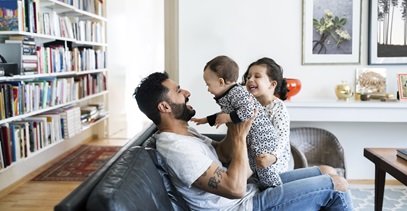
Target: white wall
247,31
135,49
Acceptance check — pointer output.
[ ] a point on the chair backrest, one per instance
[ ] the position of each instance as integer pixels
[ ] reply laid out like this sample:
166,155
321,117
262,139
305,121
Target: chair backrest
320,147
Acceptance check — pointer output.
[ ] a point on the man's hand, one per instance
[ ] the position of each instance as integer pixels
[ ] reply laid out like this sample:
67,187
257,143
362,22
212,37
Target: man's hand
222,118
265,160
200,121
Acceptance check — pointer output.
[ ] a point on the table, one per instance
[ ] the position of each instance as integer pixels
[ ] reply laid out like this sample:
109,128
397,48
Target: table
385,160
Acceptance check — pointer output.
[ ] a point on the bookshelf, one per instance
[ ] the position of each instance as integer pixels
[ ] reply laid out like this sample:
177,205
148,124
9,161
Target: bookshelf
60,48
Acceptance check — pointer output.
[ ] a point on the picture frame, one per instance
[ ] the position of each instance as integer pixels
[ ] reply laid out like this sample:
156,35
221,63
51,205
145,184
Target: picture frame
385,46
329,47
402,86
371,80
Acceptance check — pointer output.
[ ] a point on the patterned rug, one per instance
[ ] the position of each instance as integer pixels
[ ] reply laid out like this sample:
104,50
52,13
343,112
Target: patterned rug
79,164
395,198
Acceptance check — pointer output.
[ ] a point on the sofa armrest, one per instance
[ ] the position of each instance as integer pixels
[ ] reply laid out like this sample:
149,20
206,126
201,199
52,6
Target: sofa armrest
132,183
77,199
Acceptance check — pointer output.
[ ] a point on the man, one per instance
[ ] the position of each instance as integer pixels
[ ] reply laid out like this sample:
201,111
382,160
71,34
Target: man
195,162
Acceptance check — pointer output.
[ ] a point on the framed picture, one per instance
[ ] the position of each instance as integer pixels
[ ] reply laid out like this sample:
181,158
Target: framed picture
402,82
331,32
387,43
371,80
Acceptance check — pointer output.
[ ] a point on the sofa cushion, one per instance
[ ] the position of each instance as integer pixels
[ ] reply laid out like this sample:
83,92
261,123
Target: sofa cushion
137,181
178,203
150,142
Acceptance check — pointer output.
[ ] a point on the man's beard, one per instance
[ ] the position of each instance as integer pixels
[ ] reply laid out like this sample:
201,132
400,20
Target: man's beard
181,111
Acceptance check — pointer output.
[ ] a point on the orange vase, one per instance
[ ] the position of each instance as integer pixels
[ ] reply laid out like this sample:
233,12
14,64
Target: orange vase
294,86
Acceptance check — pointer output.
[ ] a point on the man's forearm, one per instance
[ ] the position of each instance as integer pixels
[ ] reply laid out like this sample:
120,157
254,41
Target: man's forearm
239,162
239,170
223,150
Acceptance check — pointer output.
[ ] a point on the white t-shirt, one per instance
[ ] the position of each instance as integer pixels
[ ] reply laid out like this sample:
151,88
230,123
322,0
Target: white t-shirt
187,159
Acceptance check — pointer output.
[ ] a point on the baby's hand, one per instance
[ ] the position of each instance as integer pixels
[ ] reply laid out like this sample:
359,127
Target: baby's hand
200,121
222,118
265,160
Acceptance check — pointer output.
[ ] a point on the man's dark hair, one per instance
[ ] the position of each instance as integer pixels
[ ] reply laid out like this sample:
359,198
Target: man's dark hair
149,93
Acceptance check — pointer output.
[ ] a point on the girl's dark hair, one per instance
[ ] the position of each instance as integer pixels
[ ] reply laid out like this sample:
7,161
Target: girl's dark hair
149,93
274,72
224,67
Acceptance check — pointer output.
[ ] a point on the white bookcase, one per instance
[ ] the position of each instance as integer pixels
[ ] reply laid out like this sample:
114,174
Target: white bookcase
77,30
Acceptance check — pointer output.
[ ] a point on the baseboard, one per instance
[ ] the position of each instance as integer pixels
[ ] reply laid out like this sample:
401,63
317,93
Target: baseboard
371,182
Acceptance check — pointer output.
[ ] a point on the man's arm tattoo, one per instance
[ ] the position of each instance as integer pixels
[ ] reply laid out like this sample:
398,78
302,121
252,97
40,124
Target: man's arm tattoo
213,181
218,172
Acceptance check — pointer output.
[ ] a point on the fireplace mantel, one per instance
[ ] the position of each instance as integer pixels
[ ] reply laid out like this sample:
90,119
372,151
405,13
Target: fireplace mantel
332,110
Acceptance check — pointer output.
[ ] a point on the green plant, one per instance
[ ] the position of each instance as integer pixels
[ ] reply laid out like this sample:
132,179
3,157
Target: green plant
329,26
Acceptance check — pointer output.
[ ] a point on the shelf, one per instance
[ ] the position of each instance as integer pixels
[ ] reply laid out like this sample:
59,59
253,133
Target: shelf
90,71
89,31
87,126
69,10
36,76
332,110
50,146
51,38
92,96
19,117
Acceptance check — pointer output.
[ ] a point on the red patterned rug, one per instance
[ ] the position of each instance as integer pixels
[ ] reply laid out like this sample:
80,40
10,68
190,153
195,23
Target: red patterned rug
78,165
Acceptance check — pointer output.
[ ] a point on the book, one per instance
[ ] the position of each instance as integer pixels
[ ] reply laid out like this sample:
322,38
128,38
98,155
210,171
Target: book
9,19
3,150
24,138
15,140
7,144
21,37
402,153
2,165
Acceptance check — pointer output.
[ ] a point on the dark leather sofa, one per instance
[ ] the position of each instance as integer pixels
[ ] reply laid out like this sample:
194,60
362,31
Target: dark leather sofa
135,178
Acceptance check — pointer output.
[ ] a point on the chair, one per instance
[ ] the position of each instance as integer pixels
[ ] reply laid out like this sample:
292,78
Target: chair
320,147
299,159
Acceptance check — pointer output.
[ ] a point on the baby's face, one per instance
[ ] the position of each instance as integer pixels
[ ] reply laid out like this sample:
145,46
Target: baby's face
213,82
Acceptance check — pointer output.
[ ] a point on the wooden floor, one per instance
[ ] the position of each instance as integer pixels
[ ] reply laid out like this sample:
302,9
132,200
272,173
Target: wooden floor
43,196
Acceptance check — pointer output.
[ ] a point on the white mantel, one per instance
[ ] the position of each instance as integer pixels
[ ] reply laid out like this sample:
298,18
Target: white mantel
332,110
357,124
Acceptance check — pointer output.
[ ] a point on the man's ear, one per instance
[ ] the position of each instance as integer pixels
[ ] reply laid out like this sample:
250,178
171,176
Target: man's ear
164,107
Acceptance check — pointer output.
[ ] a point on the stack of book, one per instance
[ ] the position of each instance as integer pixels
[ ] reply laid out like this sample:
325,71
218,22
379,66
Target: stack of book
70,121
29,58
89,114
402,153
100,106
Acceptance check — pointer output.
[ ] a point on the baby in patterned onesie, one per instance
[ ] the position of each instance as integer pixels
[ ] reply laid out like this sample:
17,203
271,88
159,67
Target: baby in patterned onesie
237,104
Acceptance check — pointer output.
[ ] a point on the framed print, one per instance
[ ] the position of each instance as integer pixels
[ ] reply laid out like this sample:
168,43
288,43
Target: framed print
387,33
371,80
331,32
402,82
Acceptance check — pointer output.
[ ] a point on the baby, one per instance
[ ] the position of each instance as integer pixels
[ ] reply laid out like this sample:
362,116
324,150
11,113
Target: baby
237,104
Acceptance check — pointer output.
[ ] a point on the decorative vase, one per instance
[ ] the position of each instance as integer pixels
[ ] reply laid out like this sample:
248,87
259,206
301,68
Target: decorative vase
343,91
294,86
